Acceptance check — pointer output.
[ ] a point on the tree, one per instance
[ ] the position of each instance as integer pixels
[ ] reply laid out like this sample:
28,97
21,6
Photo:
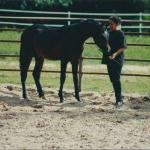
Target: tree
121,6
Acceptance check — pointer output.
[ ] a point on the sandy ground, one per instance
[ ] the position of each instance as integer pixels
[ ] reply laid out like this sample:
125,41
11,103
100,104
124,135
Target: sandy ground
93,124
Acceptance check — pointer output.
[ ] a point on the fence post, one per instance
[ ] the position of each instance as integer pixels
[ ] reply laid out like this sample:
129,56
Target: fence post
80,73
140,24
69,16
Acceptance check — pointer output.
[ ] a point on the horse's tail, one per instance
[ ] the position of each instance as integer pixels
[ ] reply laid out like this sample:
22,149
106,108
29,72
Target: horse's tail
27,41
26,54
26,47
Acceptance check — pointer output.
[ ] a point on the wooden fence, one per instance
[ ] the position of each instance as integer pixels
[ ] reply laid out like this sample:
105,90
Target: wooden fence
139,19
80,71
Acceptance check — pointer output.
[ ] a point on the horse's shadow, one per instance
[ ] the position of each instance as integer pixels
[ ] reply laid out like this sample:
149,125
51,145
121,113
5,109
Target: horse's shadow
14,100
136,107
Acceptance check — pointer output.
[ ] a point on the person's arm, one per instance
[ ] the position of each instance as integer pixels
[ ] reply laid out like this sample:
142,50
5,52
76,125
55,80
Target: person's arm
113,56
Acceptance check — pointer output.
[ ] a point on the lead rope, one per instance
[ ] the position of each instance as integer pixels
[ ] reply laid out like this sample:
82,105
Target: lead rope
115,61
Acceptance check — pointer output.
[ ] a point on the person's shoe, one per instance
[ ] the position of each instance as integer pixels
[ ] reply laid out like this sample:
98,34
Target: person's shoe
119,103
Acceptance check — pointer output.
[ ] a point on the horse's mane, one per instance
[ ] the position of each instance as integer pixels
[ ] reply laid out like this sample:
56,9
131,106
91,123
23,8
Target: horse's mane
81,25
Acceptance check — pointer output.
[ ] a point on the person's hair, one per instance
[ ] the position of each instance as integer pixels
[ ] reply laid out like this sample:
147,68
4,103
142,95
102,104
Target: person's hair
115,19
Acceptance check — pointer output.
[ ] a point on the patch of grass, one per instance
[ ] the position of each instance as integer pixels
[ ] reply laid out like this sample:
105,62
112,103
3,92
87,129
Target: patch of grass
90,50
136,52
9,48
136,85
89,82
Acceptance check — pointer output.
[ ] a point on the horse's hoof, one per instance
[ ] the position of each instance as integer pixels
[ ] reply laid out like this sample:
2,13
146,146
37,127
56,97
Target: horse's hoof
61,97
78,98
43,97
25,98
61,100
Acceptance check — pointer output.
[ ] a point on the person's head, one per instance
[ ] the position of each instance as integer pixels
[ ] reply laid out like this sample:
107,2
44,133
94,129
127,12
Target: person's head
114,22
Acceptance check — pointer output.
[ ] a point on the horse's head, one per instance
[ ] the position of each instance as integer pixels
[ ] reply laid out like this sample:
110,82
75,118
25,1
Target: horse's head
97,31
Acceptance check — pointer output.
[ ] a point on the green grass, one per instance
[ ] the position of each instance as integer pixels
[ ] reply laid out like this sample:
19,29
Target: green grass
89,82
9,48
137,52
89,51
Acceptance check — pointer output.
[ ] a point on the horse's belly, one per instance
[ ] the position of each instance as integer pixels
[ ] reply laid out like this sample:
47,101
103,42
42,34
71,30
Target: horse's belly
53,54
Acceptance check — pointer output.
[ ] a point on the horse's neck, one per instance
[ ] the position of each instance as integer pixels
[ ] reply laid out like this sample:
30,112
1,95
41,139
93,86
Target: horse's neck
89,28
79,31
87,33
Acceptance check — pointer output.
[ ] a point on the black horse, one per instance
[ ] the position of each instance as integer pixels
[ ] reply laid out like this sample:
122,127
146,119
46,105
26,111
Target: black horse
64,44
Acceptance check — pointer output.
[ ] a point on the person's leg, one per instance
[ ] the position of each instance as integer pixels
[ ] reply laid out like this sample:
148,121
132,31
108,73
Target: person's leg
114,71
117,82
117,89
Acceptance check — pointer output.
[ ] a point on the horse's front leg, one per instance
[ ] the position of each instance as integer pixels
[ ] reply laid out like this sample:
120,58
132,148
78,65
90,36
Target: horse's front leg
62,79
75,78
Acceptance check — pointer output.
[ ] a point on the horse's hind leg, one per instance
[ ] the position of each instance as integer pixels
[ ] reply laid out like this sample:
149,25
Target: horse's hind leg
75,78
62,79
24,65
36,74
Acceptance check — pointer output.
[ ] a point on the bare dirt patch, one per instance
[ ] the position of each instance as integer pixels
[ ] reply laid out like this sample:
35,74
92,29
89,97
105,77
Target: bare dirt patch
92,124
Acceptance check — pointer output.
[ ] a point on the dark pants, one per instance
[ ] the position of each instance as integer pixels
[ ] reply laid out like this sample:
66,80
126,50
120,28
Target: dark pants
114,71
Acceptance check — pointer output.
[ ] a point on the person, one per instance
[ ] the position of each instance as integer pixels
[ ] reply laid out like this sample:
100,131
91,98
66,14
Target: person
115,56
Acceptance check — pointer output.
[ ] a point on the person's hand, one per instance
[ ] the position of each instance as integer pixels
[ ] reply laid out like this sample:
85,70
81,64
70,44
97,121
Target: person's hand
113,56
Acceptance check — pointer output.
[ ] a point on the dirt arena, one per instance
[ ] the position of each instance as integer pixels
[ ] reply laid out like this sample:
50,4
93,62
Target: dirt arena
93,124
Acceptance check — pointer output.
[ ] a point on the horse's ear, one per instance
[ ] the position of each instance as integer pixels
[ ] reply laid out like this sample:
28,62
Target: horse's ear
103,26
83,19
100,23
107,24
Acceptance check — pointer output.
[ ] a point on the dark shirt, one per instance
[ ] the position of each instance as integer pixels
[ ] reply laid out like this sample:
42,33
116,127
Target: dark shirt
116,40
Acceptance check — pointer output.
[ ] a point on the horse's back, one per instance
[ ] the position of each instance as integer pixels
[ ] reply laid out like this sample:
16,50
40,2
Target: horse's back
53,43
30,33
35,36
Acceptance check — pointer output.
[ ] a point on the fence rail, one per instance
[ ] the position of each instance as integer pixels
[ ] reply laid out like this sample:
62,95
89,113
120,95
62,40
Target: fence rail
138,18
128,44
68,19
127,33
91,58
87,73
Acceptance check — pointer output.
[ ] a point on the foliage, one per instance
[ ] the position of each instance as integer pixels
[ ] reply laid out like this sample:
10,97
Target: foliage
125,6
34,4
51,3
